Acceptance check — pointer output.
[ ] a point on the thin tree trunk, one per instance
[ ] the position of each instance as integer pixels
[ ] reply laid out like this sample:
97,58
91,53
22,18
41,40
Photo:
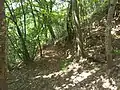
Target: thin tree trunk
79,33
108,45
35,25
50,21
51,31
3,84
30,2
69,23
26,55
24,15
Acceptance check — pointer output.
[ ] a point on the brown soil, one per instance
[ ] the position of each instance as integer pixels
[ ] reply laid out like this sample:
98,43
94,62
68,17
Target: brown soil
47,74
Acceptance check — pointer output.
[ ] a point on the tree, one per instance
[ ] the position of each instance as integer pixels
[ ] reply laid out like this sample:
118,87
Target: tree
28,28
69,22
108,45
3,84
25,53
78,30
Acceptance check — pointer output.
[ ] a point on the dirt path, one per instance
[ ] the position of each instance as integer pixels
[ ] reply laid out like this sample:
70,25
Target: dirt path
47,74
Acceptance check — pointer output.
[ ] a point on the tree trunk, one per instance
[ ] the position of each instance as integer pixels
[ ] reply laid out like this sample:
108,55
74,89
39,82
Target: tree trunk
25,53
3,84
69,23
79,32
51,32
108,45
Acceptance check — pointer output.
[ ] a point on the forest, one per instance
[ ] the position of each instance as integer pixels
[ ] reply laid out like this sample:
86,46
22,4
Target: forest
59,44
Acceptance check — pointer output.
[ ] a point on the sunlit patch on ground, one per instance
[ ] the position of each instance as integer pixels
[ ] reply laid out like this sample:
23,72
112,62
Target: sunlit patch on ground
75,79
107,84
47,75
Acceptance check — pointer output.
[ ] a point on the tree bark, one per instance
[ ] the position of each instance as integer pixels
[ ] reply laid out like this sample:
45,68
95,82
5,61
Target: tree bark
108,45
3,84
69,22
79,32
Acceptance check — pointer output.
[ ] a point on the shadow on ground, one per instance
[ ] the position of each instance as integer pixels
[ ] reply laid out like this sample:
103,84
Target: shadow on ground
48,74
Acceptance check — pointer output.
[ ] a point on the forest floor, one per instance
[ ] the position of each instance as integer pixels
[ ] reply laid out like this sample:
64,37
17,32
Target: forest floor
58,71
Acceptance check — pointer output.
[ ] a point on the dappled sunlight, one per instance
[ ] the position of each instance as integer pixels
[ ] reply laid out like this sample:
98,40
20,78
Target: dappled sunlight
109,83
72,75
75,79
62,73
46,56
69,56
76,74
61,44
48,51
79,77
82,60
82,74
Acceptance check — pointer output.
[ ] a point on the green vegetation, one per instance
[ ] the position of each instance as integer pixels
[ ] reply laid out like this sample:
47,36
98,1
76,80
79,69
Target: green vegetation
65,40
65,63
31,24
116,51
